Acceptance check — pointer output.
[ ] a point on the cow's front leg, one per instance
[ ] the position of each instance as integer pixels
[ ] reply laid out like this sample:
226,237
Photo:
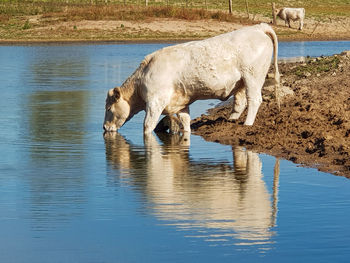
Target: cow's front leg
184,116
153,113
239,104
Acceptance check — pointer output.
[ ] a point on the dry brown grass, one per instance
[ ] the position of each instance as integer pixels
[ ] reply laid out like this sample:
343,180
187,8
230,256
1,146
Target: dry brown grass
112,11
185,9
137,13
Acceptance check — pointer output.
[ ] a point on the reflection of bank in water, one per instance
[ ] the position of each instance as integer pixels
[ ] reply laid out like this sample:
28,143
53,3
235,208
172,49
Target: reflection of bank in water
220,202
53,119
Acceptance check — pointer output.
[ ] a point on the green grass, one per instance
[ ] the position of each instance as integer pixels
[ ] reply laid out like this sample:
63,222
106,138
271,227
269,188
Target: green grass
317,66
26,25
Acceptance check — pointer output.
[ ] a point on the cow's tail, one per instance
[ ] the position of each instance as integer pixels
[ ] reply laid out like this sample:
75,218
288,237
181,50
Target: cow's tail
269,31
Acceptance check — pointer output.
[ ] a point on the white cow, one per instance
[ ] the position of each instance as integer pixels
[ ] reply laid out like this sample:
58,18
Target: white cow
169,80
287,14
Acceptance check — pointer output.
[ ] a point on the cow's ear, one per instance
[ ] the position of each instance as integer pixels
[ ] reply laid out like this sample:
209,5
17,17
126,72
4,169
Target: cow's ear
116,93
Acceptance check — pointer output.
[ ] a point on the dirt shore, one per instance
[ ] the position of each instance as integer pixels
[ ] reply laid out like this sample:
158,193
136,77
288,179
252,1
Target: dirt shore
313,126
38,28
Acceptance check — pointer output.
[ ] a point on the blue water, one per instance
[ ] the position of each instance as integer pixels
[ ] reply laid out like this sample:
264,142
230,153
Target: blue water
69,194
312,48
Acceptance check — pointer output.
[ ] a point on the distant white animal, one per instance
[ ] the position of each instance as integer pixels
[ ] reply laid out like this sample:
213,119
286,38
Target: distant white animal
287,14
169,80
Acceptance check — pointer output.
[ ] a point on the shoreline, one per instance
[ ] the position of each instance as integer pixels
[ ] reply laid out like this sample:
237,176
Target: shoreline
91,42
312,128
29,42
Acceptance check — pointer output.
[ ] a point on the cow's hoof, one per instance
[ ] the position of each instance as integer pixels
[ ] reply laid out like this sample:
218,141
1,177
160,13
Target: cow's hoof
234,116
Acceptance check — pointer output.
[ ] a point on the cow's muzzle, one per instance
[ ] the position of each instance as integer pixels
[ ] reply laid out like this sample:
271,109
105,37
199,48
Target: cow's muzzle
109,128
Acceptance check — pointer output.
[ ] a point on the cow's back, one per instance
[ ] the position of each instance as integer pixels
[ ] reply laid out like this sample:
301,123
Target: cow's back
207,68
295,13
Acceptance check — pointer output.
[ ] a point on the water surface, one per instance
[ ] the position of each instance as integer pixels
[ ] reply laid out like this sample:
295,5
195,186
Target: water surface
69,194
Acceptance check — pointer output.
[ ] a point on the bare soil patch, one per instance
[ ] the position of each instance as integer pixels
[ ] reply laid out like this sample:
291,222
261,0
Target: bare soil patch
42,28
313,126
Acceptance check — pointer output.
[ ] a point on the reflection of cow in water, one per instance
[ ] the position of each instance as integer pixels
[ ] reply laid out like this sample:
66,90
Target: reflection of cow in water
232,202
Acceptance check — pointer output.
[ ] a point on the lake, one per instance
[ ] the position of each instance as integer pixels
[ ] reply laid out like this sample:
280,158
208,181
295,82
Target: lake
70,194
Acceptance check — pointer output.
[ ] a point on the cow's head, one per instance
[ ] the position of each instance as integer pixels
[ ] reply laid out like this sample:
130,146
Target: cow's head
279,12
117,110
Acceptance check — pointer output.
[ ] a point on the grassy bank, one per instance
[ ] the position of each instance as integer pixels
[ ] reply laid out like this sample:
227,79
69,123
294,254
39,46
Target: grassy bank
111,11
42,20
94,8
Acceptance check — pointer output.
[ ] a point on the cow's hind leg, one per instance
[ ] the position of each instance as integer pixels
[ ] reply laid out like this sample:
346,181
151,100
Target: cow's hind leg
239,103
254,98
301,24
184,116
170,123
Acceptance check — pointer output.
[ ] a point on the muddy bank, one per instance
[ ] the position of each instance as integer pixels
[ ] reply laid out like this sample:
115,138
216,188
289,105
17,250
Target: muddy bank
313,126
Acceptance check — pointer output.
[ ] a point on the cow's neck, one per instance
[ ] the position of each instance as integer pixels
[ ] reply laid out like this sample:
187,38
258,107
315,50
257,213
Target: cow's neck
131,95
130,90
